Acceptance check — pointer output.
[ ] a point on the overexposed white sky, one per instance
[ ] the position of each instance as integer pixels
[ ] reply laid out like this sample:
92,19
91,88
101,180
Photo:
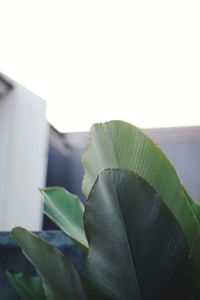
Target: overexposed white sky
94,61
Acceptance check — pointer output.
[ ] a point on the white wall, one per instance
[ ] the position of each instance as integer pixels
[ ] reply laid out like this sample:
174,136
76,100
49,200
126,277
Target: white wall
23,157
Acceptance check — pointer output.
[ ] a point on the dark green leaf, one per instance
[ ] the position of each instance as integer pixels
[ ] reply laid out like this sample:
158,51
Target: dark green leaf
117,144
60,279
137,249
66,210
29,287
193,269
194,205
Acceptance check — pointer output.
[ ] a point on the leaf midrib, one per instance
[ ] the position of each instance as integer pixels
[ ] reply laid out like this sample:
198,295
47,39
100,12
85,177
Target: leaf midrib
121,216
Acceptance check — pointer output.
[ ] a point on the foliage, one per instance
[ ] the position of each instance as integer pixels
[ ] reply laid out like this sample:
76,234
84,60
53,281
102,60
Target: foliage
117,144
139,228
28,286
66,210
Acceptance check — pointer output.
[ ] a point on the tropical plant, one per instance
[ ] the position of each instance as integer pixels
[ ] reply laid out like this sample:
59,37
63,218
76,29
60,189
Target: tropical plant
139,230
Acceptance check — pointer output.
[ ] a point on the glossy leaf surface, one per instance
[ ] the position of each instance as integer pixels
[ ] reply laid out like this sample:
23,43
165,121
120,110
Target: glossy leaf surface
137,249
66,210
29,287
60,279
117,144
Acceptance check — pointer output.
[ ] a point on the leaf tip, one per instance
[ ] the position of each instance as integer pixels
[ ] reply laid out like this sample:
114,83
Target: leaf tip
17,230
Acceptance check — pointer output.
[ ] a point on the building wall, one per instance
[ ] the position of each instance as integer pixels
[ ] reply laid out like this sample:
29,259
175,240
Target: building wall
23,157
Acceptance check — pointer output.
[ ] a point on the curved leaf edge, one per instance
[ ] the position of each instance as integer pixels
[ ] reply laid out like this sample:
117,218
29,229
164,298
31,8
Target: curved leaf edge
129,125
82,245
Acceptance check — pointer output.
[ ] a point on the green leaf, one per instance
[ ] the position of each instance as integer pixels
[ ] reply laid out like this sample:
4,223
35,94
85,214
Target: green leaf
195,206
66,210
137,249
117,144
60,279
29,287
192,270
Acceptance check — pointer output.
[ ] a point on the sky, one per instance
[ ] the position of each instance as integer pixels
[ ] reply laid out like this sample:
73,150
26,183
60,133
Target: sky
93,61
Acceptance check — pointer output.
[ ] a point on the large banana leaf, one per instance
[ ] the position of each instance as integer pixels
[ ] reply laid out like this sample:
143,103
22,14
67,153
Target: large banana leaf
193,269
29,287
117,144
194,205
66,210
60,279
137,249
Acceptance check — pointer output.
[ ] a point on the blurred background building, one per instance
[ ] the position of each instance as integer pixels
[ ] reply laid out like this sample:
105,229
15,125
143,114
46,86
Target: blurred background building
34,154
23,155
